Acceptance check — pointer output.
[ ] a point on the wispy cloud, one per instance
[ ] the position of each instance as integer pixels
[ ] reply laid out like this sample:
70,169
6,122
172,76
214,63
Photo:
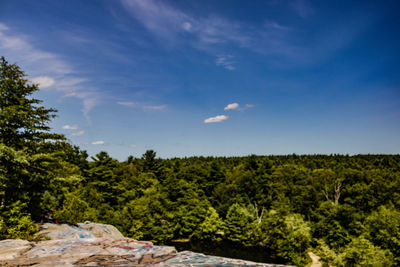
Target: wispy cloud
208,32
98,143
80,133
250,106
89,101
225,61
159,17
141,105
170,23
232,106
35,60
218,118
43,81
47,69
70,127
212,33
126,103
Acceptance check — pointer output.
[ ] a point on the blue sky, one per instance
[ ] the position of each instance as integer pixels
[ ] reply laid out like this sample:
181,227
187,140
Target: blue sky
213,77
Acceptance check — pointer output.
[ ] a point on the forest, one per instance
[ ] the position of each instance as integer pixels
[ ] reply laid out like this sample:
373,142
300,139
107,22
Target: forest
345,209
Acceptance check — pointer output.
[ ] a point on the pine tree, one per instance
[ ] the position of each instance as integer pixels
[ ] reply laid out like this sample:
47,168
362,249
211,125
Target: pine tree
29,153
23,122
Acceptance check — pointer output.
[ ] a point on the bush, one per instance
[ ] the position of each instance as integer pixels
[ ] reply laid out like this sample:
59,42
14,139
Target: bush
361,252
15,223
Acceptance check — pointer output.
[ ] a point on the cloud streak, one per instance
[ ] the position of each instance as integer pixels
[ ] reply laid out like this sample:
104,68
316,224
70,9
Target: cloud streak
70,127
80,133
225,61
215,119
98,143
131,104
126,103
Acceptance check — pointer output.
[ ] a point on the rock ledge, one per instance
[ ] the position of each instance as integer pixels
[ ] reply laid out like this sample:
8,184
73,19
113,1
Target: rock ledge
91,244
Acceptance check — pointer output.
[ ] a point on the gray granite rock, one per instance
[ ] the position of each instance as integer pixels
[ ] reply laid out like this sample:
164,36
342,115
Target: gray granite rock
91,244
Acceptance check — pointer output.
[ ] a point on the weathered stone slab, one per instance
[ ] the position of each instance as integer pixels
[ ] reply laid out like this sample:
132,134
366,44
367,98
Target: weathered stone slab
92,244
101,230
85,230
188,258
13,248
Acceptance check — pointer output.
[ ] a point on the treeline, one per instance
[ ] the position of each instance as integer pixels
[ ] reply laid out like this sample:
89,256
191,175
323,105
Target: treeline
346,209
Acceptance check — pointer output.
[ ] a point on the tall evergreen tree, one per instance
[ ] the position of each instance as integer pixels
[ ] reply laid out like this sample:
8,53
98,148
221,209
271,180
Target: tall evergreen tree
28,158
23,122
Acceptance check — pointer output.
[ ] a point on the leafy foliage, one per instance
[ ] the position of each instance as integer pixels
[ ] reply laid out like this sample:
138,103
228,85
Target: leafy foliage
16,223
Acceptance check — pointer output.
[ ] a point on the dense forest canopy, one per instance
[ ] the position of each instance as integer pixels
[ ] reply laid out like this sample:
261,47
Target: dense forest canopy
344,208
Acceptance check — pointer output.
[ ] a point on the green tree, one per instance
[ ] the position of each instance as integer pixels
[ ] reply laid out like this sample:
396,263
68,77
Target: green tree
383,227
287,235
208,229
238,224
23,122
16,223
361,252
328,225
150,163
29,153
104,177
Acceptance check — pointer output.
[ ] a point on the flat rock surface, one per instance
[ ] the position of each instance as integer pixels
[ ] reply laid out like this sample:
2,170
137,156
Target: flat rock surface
90,244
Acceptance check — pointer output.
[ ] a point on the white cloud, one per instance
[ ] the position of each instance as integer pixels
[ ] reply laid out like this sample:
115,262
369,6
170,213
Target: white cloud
70,127
126,103
43,81
80,133
98,143
232,106
218,118
225,61
250,105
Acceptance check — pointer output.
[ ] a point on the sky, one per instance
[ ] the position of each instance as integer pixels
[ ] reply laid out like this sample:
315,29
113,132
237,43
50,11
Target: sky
213,78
